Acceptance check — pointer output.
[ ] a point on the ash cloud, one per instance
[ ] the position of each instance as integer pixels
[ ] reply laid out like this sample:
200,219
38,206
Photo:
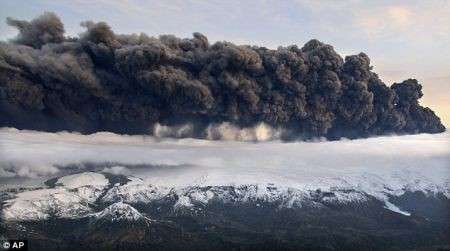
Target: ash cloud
102,81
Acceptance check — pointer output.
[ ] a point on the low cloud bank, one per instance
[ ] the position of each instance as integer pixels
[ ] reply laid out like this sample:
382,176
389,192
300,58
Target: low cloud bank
191,161
117,170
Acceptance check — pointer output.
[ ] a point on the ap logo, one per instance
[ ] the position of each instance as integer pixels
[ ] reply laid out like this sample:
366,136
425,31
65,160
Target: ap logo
14,245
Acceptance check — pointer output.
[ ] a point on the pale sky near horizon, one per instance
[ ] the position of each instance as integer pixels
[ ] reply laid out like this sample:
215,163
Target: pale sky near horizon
404,39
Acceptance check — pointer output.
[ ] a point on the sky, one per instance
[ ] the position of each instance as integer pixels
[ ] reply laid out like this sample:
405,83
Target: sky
404,39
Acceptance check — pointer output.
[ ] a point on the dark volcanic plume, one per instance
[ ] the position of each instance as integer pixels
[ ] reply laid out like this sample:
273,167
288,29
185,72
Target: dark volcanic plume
102,81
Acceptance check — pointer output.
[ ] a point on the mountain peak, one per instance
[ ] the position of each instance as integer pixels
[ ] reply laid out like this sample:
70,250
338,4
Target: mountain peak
120,211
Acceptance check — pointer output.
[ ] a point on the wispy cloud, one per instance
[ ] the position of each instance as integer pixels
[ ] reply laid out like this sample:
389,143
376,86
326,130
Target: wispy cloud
420,23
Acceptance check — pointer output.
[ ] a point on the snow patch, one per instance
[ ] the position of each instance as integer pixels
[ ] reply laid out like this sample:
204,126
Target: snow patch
183,202
394,208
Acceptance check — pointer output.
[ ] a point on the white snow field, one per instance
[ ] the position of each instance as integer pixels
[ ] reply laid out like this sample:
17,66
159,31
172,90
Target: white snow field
198,171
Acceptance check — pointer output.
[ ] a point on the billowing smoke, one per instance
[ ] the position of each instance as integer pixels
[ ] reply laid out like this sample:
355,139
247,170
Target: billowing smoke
222,131
102,81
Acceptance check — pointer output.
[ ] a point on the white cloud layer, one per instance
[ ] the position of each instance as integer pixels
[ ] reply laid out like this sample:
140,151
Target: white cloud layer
190,161
117,170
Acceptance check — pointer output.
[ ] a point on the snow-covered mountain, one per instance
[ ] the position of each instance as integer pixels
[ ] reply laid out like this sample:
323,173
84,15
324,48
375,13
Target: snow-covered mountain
79,195
42,204
69,198
120,211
